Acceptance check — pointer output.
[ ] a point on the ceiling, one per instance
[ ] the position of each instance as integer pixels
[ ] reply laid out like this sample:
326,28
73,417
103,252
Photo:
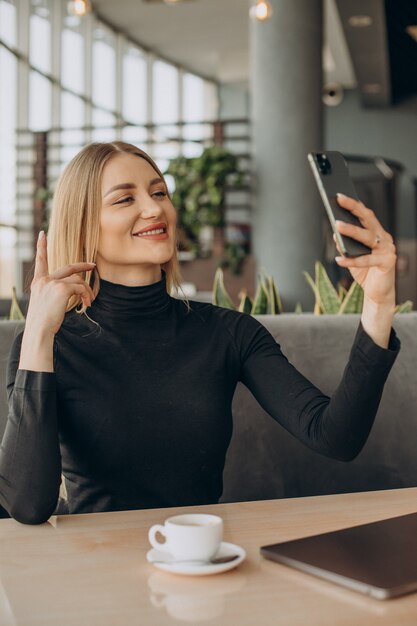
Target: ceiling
211,37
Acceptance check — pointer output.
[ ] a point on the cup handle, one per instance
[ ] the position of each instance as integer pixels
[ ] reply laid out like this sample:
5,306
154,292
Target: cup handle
158,600
157,528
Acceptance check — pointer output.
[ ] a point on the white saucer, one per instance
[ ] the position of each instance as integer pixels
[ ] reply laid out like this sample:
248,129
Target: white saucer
191,569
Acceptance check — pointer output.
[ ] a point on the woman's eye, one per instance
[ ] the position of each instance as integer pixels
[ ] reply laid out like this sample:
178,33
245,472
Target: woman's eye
159,194
126,199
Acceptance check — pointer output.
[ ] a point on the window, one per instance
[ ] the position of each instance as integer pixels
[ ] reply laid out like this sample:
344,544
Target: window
40,36
8,153
72,118
8,22
104,68
165,93
40,89
134,87
72,59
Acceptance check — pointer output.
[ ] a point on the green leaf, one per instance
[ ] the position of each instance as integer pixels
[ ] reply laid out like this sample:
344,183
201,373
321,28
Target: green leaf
341,292
260,303
404,307
274,300
317,304
353,301
220,295
329,298
245,305
15,310
298,308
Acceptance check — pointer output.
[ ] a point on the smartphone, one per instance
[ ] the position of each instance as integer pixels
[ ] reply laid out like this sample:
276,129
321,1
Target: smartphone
332,176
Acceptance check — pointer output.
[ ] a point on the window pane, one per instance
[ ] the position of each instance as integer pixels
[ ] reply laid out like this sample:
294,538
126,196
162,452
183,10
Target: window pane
102,119
7,261
40,94
72,60
8,22
72,117
40,35
193,98
134,87
8,105
104,68
195,110
165,93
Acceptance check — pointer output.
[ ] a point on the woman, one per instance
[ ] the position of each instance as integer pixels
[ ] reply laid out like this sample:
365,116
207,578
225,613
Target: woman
127,390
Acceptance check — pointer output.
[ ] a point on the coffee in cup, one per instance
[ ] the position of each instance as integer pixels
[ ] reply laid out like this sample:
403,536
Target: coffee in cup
193,536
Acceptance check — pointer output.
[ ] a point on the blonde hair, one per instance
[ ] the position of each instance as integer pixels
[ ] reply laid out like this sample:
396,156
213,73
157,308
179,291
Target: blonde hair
73,232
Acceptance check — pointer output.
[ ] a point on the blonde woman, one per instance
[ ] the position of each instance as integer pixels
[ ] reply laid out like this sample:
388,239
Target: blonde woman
126,390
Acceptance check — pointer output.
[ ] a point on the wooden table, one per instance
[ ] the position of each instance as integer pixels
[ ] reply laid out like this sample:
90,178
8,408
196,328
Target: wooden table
91,569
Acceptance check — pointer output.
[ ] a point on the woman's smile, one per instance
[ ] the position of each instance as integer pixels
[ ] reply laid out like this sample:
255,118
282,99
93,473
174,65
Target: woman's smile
153,231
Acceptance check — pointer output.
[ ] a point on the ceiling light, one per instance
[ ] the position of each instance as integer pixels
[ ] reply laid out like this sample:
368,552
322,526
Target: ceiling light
261,11
412,31
78,8
360,21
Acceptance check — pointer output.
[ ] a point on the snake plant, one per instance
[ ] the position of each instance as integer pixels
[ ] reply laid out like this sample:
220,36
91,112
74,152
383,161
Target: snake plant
266,301
329,300
15,310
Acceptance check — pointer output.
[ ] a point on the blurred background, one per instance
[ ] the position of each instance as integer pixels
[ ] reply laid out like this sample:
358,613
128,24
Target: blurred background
228,96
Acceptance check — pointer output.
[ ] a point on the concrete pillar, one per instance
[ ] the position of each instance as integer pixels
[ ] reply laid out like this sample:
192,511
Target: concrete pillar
286,85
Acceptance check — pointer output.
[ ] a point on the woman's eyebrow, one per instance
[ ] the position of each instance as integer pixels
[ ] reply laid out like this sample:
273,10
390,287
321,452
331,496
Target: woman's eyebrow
156,180
121,186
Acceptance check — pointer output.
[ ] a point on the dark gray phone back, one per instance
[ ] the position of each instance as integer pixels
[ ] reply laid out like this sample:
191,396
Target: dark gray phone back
332,177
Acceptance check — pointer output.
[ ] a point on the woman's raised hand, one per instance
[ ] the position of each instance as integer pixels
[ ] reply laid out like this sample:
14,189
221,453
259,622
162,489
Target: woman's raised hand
50,293
375,272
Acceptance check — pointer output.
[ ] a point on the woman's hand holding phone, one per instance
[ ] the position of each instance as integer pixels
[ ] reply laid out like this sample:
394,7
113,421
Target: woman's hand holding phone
375,272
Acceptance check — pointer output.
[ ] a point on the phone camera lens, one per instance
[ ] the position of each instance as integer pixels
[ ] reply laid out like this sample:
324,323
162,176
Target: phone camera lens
324,164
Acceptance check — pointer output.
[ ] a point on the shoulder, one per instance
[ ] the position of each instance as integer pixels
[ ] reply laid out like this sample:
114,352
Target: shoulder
244,330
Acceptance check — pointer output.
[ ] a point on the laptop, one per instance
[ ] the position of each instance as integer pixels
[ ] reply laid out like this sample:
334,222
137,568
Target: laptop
377,559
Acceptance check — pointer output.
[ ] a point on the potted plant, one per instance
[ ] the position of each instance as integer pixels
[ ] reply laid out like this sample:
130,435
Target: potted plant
329,299
199,195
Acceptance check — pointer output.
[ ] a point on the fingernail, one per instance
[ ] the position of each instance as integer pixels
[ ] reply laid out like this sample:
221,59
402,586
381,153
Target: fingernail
341,195
41,235
338,258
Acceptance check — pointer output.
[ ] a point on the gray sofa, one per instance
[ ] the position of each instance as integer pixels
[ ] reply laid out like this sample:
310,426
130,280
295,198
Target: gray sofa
264,461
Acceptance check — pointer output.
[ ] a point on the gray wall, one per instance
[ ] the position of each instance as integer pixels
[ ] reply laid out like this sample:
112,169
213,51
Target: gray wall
389,133
234,101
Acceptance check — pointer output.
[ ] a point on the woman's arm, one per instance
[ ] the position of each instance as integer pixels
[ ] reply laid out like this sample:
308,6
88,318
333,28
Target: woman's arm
30,459
336,426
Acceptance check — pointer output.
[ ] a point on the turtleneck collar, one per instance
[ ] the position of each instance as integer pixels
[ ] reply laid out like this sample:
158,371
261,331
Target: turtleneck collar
146,300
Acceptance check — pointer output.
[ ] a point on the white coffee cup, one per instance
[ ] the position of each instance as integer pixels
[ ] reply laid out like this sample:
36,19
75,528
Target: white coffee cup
193,536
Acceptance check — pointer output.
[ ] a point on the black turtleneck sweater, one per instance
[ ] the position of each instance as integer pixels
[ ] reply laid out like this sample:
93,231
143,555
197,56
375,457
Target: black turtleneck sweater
137,413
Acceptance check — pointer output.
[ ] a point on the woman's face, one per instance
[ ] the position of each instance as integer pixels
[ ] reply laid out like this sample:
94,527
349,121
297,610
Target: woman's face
137,222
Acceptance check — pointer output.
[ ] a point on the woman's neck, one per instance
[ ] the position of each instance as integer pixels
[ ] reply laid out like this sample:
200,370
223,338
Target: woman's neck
130,277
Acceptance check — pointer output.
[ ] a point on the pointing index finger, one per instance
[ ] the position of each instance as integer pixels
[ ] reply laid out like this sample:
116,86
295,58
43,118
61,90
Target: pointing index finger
41,260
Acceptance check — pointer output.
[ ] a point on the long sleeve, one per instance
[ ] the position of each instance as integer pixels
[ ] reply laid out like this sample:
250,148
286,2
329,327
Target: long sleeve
30,459
338,426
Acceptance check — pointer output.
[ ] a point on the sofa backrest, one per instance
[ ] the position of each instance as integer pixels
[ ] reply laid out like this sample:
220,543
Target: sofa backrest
264,461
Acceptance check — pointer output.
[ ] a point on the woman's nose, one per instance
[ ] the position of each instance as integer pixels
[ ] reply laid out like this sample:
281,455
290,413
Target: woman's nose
150,208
